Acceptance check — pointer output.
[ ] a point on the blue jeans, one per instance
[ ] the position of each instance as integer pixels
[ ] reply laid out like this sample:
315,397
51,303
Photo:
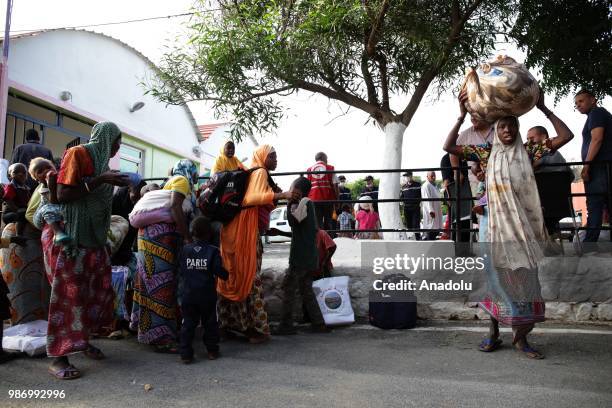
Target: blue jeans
598,185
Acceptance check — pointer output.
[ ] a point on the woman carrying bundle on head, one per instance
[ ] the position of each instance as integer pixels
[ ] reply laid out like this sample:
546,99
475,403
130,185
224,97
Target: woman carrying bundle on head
516,231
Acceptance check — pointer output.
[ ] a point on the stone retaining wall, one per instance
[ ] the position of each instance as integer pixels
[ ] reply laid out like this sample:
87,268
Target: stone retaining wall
589,286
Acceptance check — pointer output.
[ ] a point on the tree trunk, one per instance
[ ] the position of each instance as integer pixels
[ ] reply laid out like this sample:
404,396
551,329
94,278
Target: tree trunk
390,182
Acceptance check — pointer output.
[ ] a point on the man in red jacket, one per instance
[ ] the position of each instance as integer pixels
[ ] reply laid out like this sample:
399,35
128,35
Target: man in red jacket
324,187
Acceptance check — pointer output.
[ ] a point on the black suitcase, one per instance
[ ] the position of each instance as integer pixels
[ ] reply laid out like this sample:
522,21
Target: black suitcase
393,309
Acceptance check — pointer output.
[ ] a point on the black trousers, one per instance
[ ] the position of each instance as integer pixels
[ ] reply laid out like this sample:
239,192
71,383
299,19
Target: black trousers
324,215
299,280
412,218
465,235
193,314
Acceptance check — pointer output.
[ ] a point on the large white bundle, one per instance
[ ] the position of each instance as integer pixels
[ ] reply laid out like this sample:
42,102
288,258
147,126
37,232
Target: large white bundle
500,88
154,200
29,338
154,207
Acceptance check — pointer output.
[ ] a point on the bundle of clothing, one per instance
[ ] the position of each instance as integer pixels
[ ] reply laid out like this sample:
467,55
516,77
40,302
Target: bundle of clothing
499,88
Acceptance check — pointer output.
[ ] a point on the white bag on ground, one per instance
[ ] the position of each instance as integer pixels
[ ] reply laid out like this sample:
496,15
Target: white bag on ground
29,338
334,301
498,88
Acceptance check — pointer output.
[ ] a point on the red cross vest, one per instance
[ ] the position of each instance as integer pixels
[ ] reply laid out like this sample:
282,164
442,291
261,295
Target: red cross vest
322,187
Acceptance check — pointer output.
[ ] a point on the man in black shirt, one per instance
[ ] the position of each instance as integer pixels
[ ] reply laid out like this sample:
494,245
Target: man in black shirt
31,149
370,190
450,193
596,147
411,194
344,193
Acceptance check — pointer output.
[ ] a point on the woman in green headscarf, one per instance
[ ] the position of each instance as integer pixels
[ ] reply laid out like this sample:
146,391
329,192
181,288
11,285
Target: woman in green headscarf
81,291
154,308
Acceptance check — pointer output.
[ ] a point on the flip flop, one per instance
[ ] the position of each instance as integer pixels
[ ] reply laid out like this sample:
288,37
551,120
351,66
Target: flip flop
530,352
94,353
489,345
66,373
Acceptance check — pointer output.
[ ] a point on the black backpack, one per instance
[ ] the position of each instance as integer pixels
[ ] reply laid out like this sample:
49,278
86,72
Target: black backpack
401,313
221,196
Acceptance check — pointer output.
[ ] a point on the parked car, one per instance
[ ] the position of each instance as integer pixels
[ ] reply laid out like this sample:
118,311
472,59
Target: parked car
278,220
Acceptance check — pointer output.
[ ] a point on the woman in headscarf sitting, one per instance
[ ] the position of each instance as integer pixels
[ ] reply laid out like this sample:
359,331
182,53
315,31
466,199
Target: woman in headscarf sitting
516,229
81,291
227,161
154,308
241,305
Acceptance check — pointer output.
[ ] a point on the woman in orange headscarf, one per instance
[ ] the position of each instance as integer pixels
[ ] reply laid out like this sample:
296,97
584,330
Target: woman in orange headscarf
241,306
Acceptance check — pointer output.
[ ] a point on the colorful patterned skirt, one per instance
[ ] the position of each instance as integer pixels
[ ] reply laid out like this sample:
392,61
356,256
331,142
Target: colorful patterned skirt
23,270
249,315
81,295
513,297
154,311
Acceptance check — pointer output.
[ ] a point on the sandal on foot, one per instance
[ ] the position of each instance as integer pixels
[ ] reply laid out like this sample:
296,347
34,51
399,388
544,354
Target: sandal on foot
213,355
94,353
186,360
69,372
488,345
168,348
530,352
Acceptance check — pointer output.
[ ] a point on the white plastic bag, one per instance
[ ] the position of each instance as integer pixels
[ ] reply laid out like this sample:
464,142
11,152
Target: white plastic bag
29,338
334,301
498,88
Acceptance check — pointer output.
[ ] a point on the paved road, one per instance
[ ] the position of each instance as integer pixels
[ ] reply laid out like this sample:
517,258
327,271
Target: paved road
353,367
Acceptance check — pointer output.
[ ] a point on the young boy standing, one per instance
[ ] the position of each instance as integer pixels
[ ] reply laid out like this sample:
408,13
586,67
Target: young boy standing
200,265
303,259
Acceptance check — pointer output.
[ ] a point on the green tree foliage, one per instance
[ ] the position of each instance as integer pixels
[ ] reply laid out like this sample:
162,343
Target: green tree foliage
359,52
357,187
570,41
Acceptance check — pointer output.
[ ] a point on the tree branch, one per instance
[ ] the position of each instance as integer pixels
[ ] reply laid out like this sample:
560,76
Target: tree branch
245,99
457,24
345,97
367,77
376,28
370,41
384,80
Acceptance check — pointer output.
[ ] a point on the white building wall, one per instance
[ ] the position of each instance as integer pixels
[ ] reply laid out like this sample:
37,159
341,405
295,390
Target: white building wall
103,75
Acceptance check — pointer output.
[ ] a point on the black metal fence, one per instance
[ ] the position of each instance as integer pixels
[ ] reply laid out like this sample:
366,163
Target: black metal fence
458,201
